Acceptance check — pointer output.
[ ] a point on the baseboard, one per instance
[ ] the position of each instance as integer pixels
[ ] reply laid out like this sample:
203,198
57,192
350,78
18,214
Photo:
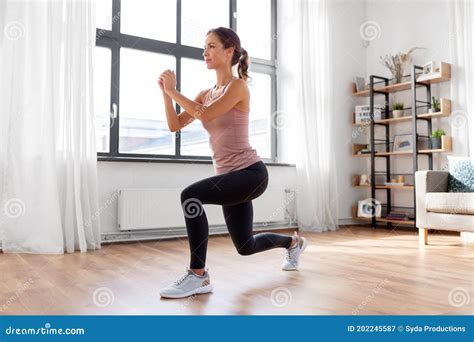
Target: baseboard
349,222
181,232
154,234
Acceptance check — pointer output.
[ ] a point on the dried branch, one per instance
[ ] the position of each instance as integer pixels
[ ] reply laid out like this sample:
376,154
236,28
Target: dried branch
396,63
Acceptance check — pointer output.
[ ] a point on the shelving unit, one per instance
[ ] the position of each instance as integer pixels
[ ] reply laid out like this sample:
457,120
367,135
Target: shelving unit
380,86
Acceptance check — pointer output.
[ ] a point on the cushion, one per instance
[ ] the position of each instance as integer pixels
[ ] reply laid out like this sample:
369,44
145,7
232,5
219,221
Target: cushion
450,203
461,174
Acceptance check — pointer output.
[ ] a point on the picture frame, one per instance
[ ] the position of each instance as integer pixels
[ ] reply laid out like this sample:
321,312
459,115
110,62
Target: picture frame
428,68
364,179
402,142
360,83
369,207
431,69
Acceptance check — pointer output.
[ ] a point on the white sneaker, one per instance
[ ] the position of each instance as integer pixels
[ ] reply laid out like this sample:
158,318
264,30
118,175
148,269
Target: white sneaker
187,285
292,255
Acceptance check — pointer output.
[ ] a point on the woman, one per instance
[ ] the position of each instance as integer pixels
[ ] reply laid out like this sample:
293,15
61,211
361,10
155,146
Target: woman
241,174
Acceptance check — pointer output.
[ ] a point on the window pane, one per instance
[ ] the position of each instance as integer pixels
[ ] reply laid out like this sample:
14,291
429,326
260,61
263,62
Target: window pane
257,42
260,114
102,81
149,18
195,77
198,17
143,126
103,14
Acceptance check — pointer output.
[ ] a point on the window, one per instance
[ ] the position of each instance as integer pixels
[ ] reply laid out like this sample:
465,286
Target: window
261,114
198,17
143,126
103,57
138,39
257,42
149,18
195,77
104,14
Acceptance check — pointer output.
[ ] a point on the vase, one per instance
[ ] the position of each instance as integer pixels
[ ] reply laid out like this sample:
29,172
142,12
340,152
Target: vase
435,143
397,113
397,77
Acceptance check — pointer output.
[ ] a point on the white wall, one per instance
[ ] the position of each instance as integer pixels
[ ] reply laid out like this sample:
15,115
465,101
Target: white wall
349,57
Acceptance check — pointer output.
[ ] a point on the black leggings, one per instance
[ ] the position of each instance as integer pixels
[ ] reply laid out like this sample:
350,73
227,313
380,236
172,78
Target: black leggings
234,191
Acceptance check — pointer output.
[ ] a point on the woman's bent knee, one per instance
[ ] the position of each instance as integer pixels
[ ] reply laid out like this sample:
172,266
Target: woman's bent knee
188,193
245,250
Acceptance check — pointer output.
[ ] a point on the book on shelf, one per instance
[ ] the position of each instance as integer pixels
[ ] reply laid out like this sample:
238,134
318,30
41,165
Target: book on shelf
397,218
395,184
398,215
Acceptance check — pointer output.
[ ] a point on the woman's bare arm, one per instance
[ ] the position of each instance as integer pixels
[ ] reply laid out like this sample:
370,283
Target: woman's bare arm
236,92
177,122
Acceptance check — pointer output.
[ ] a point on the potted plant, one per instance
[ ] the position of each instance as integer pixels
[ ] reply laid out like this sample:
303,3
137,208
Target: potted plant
435,139
435,106
398,109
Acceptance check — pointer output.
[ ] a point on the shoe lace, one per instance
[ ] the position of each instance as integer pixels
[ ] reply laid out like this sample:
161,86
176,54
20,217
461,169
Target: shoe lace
290,257
182,278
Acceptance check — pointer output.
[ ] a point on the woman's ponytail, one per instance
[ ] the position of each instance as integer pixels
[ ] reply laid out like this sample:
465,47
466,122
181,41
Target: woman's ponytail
243,65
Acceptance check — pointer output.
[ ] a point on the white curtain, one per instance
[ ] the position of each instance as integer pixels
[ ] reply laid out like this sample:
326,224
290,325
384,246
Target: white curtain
306,53
48,160
461,37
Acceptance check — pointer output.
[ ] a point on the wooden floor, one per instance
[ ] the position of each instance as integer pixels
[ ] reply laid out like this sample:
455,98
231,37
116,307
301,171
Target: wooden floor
355,270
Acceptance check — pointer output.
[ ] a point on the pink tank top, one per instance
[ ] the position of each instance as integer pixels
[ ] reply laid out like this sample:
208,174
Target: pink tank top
229,138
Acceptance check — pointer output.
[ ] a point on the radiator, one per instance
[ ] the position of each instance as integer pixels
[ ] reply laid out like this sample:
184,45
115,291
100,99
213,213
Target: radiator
161,209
